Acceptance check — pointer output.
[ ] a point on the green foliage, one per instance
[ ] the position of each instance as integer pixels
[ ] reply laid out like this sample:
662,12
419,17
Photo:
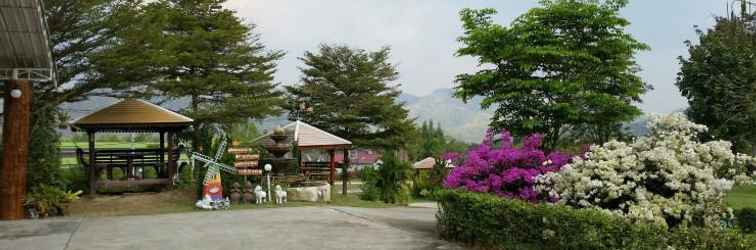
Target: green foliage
197,50
48,200
429,140
565,66
388,182
345,91
717,78
746,219
44,164
512,224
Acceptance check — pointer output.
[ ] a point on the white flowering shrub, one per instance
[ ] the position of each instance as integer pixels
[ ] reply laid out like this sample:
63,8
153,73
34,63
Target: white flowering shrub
668,177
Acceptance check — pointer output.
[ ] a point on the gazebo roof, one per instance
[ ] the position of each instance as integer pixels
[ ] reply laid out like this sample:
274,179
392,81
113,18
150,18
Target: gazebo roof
307,136
133,115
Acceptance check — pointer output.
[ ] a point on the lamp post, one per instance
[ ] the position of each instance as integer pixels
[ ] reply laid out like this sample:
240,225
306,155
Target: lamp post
268,167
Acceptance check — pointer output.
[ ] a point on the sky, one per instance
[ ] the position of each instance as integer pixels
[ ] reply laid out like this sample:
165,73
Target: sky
422,35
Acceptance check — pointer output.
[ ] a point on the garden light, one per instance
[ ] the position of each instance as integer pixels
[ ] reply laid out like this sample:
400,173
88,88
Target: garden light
15,93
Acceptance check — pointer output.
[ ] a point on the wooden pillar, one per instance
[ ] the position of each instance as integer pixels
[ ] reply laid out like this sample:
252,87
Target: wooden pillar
332,165
92,171
162,169
171,161
15,149
345,173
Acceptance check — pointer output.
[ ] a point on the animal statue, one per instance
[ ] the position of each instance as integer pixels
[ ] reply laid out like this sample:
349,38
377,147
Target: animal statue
248,194
260,195
280,195
321,194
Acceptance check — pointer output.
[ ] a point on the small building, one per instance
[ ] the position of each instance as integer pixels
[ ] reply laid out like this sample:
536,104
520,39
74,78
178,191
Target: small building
131,116
317,149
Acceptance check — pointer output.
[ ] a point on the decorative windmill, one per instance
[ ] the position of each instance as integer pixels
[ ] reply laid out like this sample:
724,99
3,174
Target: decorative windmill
245,165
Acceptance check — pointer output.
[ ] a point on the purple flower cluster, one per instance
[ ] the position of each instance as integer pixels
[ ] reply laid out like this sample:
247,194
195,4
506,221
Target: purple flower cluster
505,170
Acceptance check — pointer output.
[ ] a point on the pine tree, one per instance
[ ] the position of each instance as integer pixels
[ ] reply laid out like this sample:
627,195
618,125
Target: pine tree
200,51
346,92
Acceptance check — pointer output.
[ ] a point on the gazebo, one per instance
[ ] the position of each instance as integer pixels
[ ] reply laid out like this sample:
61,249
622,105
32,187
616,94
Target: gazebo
131,116
310,138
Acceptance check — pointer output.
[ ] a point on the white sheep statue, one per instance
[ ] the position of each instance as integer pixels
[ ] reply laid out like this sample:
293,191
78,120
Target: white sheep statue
280,195
260,195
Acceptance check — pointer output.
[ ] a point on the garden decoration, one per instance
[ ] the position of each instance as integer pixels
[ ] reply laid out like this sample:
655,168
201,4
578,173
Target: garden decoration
212,191
248,195
280,195
260,195
235,193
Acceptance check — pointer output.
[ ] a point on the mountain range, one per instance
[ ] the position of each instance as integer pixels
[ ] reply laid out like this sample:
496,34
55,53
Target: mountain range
463,121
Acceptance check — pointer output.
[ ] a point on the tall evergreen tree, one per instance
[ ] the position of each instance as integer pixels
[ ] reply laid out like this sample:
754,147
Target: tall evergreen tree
200,51
564,66
347,93
719,80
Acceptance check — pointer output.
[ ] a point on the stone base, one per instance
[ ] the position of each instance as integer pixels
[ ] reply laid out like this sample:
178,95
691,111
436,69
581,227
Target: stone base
315,193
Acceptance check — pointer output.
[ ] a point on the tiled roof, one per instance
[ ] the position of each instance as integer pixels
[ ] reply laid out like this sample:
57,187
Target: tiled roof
307,135
426,163
132,112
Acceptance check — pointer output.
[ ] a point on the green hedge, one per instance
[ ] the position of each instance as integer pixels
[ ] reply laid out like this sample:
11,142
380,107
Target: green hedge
489,221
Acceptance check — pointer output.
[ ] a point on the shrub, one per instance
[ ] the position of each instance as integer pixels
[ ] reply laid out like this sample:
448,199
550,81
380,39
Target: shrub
667,178
388,182
746,219
501,223
505,170
45,200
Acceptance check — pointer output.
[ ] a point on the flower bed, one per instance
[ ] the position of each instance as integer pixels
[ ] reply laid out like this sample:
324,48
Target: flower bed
505,170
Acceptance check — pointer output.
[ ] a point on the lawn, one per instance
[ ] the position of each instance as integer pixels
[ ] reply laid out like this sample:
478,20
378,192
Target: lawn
182,200
742,196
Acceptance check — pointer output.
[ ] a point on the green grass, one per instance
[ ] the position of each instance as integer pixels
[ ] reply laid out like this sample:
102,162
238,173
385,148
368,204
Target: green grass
741,197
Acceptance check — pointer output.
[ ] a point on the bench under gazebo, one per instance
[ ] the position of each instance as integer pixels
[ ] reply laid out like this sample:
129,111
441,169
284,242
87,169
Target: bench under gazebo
131,116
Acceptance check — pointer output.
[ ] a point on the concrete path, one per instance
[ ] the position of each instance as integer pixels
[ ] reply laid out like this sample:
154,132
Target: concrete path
279,228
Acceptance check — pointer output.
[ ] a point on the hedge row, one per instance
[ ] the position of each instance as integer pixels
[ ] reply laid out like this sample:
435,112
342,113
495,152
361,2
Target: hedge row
489,221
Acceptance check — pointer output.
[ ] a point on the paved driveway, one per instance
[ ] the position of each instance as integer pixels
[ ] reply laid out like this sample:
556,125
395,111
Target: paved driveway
279,228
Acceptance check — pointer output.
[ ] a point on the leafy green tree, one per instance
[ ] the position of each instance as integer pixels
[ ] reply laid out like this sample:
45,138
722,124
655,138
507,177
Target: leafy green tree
388,182
719,80
346,92
564,66
195,50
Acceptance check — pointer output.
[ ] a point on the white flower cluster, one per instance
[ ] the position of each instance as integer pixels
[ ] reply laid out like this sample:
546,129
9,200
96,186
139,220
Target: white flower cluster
667,177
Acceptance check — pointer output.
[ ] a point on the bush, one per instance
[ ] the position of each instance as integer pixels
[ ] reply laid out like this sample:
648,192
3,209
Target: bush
667,178
500,223
45,200
505,170
388,182
746,219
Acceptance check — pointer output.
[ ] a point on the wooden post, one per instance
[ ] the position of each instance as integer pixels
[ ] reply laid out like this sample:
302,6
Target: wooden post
92,171
162,169
171,161
15,150
345,169
332,166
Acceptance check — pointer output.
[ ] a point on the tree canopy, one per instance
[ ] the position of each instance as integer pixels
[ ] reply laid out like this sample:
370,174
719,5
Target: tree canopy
563,67
719,80
195,50
347,92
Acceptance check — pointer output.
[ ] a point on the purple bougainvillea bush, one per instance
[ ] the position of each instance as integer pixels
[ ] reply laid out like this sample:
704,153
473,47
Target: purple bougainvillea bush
502,169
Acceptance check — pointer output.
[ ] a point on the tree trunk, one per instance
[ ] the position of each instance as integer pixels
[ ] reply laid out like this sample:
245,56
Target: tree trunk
16,133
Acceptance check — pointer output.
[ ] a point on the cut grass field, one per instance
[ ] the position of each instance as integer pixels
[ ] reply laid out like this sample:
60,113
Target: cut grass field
741,197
